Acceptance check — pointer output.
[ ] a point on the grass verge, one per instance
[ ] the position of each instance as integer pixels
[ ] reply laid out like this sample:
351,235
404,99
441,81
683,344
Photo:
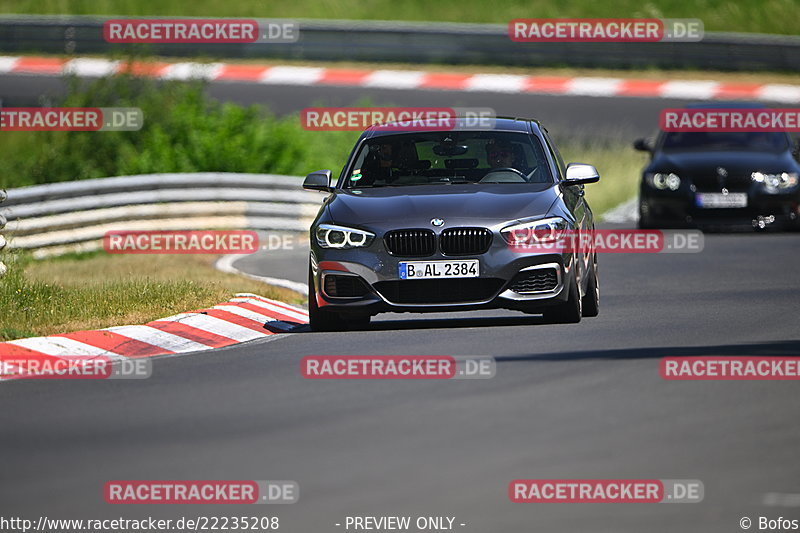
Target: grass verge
97,290
766,16
619,166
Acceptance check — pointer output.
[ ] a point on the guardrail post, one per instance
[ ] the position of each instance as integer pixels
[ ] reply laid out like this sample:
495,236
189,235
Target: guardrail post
3,196
3,268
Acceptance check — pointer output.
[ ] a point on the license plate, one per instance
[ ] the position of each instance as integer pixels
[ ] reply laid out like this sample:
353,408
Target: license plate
467,268
718,200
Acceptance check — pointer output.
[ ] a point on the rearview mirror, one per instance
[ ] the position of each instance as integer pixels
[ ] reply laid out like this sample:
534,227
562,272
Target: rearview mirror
643,145
580,173
318,181
450,149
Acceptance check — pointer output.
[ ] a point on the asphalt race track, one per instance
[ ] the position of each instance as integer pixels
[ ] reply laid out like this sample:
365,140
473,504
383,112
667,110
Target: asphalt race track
568,402
578,401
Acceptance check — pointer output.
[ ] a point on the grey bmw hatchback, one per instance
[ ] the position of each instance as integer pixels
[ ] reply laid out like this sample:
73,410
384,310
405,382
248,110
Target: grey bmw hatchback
425,220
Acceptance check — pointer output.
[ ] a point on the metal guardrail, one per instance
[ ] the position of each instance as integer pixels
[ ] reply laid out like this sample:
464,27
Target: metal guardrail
73,216
331,40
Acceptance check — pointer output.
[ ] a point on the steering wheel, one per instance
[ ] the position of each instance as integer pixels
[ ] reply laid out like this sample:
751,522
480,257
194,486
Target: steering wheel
519,178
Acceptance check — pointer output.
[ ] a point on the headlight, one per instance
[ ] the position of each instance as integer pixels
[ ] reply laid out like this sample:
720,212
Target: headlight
663,181
330,236
776,182
535,232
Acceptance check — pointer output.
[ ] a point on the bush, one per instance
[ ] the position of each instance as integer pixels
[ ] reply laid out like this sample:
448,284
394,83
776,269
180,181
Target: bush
184,131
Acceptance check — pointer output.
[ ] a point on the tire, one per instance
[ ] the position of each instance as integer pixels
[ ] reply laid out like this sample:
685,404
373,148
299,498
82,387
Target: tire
645,221
319,319
591,300
569,312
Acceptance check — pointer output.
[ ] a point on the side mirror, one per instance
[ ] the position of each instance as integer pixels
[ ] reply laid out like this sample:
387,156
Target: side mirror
643,145
318,181
579,173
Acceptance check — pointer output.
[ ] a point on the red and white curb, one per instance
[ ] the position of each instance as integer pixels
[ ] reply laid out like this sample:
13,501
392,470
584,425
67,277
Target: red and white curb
408,79
243,318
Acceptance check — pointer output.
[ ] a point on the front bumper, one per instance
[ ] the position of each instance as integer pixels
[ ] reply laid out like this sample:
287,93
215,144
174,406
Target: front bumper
371,282
680,208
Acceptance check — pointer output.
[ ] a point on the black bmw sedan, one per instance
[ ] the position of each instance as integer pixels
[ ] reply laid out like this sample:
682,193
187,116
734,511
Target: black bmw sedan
700,179
424,220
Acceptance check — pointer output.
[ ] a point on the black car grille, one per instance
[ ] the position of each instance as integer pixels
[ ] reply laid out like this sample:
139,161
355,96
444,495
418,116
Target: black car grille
411,242
422,242
344,286
465,241
712,183
439,291
533,281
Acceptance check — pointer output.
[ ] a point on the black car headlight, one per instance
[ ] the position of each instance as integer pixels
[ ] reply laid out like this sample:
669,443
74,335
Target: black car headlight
330,236
663,181
544,230
776,182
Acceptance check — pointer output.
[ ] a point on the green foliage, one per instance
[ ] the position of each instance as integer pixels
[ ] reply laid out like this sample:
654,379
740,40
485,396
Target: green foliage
764,16
184,131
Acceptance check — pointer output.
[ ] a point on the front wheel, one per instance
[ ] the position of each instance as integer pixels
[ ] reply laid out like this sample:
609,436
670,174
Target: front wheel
320,319
591,300
645,221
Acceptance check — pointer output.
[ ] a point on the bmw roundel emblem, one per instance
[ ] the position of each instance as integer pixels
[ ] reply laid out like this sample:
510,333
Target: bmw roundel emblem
437,222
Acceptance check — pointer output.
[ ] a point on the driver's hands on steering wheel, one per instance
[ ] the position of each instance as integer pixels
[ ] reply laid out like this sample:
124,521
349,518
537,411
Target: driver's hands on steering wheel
520,176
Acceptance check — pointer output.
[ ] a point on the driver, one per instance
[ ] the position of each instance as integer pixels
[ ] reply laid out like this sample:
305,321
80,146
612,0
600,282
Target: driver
504,154
500,154
377,166
386,156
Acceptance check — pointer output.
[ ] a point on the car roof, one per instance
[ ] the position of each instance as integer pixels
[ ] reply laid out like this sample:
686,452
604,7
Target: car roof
507,124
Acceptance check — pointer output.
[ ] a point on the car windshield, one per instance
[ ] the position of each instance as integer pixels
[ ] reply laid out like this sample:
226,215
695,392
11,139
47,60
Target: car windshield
750,141
448,157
